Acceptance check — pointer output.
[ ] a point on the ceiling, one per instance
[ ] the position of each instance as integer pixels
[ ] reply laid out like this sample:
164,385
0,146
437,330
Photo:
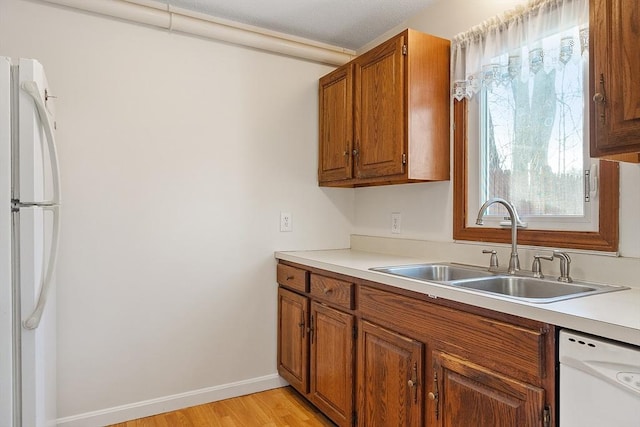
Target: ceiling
344,23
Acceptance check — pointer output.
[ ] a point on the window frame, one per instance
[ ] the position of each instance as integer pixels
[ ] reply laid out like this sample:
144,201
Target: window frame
605,239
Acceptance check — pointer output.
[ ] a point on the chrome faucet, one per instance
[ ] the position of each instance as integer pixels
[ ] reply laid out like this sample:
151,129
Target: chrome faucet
514,262
565,266
493,262
536,267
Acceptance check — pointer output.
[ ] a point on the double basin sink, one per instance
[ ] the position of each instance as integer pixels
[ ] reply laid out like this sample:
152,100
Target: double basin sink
518,287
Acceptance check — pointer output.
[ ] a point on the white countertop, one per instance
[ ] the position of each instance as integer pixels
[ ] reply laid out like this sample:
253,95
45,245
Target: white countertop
614,315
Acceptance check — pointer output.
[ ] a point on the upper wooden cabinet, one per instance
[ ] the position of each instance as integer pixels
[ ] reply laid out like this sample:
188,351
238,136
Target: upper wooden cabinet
384,117
336,125
615,79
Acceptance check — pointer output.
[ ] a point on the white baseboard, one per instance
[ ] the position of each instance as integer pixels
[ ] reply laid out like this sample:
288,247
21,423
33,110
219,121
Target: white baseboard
147,408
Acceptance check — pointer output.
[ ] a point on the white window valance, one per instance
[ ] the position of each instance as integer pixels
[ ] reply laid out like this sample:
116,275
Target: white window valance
516,45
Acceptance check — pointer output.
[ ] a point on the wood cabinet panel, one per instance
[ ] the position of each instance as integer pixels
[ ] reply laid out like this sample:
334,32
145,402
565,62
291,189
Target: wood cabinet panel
390,373
335,96
379,112
332,359
428,109
501,346
293,344
464,391
294,278
334,291
615,86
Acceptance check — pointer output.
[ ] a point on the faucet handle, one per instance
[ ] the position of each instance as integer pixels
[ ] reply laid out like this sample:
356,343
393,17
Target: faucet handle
536,267
565,266
493,261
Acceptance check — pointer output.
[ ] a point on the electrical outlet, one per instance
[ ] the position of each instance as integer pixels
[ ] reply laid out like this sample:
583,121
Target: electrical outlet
396,222
285,222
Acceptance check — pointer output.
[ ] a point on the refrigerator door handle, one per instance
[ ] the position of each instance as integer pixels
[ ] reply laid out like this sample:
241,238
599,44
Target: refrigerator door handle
33,320
32,89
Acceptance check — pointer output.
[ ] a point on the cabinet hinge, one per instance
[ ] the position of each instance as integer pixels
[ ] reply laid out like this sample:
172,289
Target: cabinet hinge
404,49
404,159
546,416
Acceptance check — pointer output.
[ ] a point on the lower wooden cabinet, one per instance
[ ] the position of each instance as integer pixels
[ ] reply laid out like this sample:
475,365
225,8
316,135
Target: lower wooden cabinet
463,391
371,355
316,344
389,378
332,358
293,344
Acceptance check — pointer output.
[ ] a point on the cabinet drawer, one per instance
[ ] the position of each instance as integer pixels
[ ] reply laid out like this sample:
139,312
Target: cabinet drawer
334,291
293,278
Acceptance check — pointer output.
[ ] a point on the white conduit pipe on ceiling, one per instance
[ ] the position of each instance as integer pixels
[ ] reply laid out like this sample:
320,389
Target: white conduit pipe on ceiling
161,15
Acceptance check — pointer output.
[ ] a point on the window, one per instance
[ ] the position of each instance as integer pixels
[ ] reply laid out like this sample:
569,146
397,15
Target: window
532,133
521,130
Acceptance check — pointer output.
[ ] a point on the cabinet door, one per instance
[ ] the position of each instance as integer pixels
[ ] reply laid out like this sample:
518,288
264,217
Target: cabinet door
615,82
389,378
293,343
380,111
336,125
332,359
464,394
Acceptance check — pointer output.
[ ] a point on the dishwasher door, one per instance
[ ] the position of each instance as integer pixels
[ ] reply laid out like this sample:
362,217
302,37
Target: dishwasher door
599,382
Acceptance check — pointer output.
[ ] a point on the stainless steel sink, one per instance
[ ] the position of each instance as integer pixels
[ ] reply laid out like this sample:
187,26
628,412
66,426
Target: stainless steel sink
440,272
534,290
520,287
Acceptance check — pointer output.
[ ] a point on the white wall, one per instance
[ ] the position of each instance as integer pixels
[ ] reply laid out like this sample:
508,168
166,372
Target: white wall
178,155
427,208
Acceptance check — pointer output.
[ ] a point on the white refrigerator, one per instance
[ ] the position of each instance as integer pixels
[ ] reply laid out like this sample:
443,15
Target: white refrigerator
29,230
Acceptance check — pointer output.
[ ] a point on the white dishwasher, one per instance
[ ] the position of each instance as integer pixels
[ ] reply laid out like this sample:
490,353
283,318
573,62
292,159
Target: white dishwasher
599,382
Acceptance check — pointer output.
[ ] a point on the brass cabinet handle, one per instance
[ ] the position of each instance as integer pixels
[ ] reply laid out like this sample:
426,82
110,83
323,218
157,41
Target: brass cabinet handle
434,395
601,98
327,291
301,324
290,277
356,153
413,382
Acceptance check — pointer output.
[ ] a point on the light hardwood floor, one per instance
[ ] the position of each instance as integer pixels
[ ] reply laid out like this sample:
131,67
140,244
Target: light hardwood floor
281,407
